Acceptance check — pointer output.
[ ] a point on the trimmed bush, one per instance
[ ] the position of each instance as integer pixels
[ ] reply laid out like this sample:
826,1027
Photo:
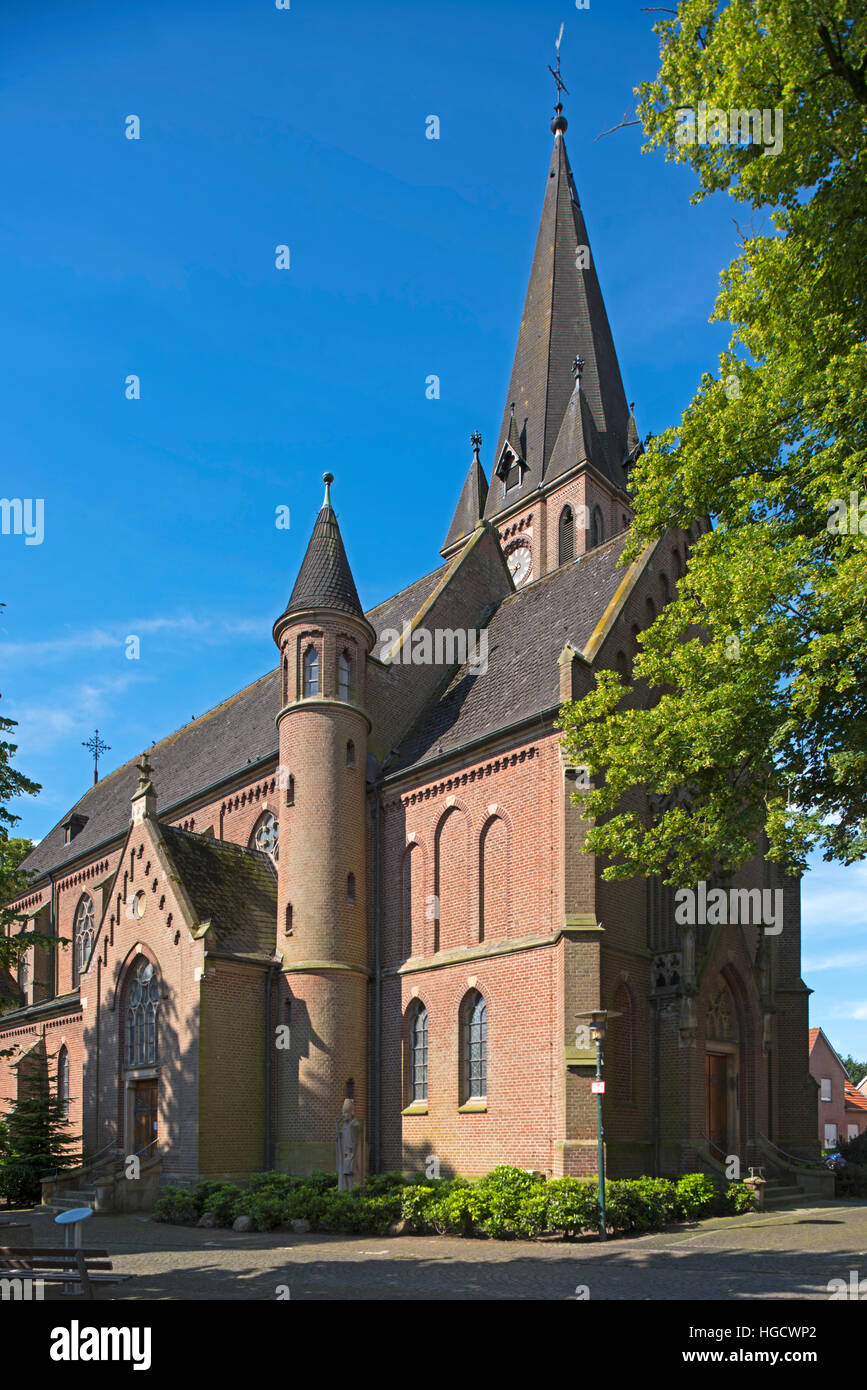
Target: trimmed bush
697,1195
506,1204
573,1206
177,1206
739,1198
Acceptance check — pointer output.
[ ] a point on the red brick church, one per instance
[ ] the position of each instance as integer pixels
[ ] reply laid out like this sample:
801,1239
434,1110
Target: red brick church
361,875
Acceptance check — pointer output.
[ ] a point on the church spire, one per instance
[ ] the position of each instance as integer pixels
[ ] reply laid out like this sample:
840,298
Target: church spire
564,318
325,579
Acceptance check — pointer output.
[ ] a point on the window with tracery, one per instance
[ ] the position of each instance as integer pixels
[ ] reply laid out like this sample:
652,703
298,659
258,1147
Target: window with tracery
143,995
83,931
266,835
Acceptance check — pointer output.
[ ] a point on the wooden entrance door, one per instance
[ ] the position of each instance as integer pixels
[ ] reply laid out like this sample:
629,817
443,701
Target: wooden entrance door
716,1076
144,1113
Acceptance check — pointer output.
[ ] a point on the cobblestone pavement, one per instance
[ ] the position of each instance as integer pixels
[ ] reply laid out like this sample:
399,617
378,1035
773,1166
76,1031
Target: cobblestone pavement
784,1254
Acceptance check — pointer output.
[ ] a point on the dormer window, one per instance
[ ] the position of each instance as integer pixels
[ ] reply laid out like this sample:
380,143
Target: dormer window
510,469
73,826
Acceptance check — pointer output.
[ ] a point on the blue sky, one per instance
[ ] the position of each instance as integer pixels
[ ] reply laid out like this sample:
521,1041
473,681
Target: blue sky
408,257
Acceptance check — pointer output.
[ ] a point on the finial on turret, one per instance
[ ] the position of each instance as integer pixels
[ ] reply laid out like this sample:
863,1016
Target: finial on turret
476,441
328,479
559,124
577,367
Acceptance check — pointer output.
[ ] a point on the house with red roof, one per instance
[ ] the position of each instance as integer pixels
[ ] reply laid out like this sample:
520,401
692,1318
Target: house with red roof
842,1106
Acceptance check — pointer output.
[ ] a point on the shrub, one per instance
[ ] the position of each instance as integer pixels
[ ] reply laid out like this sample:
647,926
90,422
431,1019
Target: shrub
697,1195
572,1206
266,1209
225,1201
855,1150
851,1181
459,1211
415,1207
176,1205
739,1198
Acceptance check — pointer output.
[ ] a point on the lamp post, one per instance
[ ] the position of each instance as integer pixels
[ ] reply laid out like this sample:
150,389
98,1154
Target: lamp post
598,1025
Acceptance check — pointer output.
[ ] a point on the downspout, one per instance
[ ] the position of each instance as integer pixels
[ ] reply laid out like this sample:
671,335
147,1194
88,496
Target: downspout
655,1086
269,991
377,979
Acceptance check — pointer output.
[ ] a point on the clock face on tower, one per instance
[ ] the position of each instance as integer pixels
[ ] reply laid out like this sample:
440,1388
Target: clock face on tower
520,562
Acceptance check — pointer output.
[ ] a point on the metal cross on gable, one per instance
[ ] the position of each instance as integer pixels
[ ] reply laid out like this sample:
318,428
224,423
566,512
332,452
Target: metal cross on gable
96,747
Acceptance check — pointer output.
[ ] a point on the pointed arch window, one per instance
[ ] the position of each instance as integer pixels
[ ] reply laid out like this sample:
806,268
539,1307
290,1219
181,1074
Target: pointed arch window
566,543
83,929
311,672
142,1003
344,676
597,527
63,1080
474,1047
417,1038
266,835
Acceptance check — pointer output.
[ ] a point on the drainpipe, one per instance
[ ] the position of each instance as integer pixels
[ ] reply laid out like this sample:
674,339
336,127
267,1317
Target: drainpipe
269,1039
654,1084
377,979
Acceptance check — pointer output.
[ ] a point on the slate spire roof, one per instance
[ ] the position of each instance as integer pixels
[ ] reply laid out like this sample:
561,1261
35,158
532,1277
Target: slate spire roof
471,503
325,579
564,318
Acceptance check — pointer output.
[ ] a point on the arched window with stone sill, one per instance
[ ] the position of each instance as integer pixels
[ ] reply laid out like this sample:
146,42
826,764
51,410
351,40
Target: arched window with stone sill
474,1047
344,676
597,527
311,672
416,1054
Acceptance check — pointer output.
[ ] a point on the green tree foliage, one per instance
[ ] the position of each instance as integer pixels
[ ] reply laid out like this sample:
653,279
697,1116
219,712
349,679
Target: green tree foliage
38,1141
13,879
758,669
857,1070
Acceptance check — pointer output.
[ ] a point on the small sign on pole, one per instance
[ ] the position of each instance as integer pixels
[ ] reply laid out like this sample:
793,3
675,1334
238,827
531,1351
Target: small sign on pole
597,1088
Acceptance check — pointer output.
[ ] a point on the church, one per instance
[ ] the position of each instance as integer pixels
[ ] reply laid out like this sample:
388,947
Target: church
361,877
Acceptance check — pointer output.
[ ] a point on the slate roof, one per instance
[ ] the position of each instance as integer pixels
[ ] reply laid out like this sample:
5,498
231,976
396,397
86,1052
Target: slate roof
233,888
216,746
471,505
325,579
526,635
564,317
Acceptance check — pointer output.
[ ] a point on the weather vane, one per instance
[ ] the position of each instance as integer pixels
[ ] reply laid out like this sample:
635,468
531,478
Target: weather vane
96,747
555,72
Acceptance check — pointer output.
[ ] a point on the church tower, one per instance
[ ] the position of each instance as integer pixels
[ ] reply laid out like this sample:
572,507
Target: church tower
559,480
324,642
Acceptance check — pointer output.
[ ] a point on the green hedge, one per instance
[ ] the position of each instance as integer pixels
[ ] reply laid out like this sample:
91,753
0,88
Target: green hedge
507,1204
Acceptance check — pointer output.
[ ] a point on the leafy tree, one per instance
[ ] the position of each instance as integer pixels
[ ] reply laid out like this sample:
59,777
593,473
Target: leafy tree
857,1070
13,879
38,1141
758,670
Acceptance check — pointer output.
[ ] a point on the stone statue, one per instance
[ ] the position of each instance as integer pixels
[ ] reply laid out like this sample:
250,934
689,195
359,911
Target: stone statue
350,1149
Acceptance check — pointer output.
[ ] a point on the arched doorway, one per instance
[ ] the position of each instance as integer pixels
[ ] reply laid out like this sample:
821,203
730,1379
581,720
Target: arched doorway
722,1073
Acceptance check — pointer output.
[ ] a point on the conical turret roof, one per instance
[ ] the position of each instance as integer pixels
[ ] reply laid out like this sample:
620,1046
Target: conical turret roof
325,579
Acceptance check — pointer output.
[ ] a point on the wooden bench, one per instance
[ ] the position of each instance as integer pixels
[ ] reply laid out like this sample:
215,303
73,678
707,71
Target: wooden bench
54,1266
